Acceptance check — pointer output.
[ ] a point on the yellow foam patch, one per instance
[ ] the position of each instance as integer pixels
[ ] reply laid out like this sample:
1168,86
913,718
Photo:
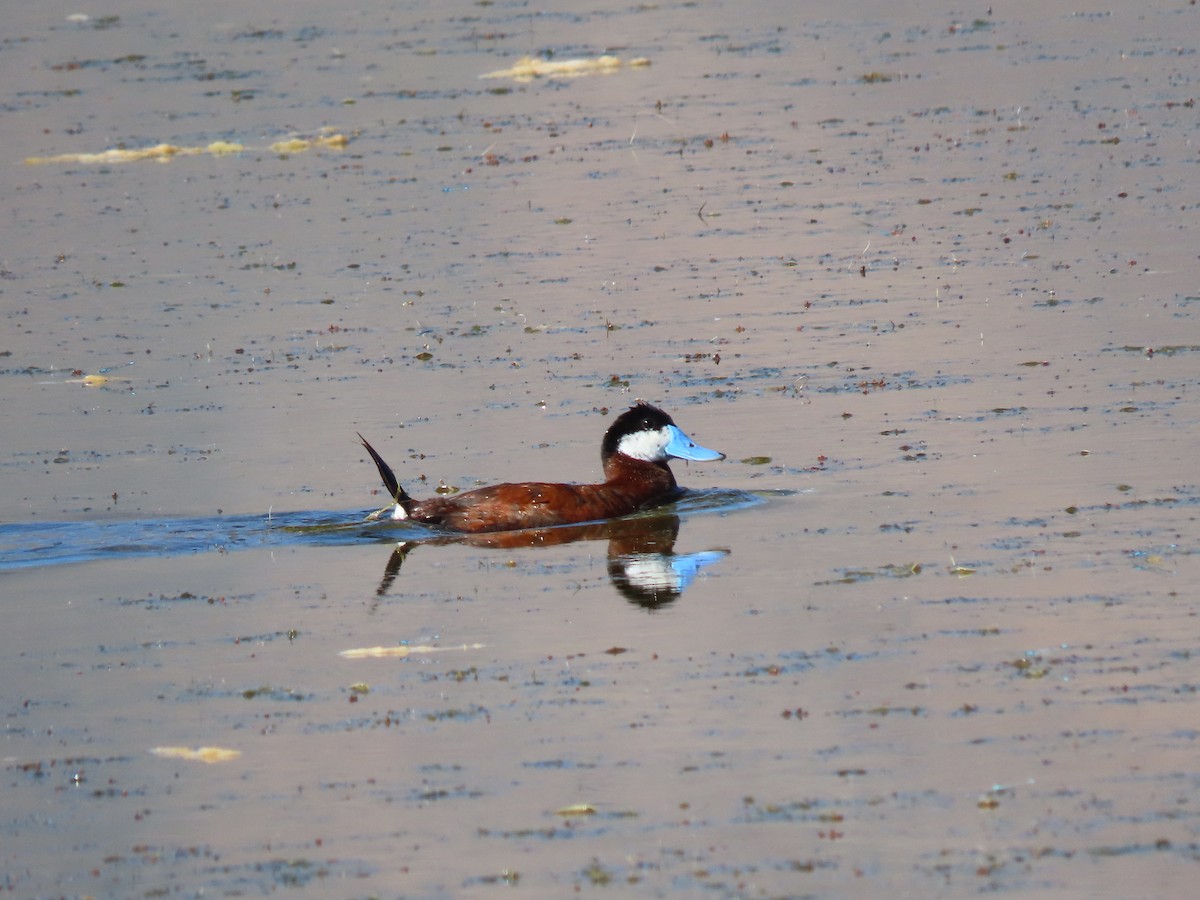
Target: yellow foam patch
197,754
528,68
400,652
168,152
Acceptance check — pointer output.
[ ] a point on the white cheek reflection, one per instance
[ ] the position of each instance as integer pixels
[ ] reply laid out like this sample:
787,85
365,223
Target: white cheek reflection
651,571
666,572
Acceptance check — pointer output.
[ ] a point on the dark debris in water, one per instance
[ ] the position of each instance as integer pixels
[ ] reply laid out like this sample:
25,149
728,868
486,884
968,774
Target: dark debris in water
269,692
164,601
890,570
1159,350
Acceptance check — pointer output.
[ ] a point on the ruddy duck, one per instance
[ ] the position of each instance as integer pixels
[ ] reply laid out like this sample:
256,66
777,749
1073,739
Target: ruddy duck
634,452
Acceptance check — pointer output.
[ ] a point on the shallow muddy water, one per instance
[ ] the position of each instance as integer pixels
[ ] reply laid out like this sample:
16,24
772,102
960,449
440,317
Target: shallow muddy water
928,277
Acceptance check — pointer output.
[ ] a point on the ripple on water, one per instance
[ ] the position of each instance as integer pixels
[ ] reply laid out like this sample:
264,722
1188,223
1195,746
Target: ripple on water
62,543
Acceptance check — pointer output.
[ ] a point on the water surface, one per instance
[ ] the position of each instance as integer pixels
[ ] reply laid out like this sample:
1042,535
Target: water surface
926,276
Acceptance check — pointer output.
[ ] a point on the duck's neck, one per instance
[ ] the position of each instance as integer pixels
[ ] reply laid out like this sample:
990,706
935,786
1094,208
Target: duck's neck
651,478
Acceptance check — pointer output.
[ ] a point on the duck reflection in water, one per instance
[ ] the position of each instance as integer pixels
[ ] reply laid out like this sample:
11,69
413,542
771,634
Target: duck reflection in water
642,562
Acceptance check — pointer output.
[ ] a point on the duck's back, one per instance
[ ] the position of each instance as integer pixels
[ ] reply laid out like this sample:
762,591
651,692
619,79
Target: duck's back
539,504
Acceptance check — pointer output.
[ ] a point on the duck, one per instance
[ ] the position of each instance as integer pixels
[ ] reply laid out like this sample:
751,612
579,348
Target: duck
634,453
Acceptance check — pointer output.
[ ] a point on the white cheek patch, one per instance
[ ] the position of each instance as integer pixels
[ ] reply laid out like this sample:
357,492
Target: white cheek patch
649,446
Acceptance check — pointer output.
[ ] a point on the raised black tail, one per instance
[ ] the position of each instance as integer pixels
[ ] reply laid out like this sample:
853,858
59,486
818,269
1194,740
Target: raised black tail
394,490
